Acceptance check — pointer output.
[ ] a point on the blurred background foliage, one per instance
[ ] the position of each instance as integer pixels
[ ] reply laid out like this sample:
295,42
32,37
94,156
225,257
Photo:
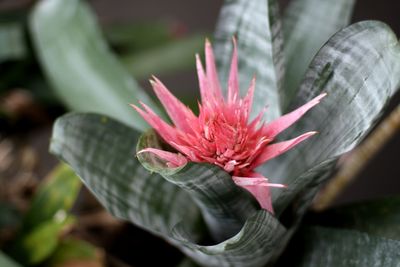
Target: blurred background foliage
45,217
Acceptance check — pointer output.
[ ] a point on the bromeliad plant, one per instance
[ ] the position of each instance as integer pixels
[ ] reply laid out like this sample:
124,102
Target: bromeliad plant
191,193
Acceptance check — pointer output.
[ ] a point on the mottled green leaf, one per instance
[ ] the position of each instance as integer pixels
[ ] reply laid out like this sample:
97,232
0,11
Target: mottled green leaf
307,25
359,68
224,205
37,245
257,26
6,261
74,251
377,217
57,194
102,152
78,63
319,246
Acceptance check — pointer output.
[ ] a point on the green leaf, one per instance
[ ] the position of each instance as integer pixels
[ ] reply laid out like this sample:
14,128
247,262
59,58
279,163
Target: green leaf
165,59
72,251
257,26
57,194
378,217
12,42
224,205
359,68
253,246
319,246
138,36
102,152
80,66
307,25
37,245
6,261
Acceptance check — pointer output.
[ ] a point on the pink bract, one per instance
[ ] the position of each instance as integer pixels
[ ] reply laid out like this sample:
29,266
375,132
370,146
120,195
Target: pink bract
223,133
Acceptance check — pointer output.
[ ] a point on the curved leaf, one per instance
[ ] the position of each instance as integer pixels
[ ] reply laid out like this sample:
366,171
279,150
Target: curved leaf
224,205
257,26
102,152
319,246
253,246
359,68
77,61
307,25
377,217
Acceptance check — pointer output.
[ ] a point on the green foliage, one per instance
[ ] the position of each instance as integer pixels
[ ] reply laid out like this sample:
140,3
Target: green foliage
79,65
55,196
37,245
257,27
359,68
47,219
361,234
102,152
73,250
307,25
320,246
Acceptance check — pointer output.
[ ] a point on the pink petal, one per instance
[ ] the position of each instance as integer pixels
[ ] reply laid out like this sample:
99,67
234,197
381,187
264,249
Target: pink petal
212,74
248,100
233,83
173,159
178,112
203,83
281,123
260,192
166,131
274,150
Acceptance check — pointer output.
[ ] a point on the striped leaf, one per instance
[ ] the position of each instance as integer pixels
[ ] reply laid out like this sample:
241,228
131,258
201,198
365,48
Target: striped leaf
359,68
257,27
307,25
80,66
328,247
224,206
378,217
253,246
102,152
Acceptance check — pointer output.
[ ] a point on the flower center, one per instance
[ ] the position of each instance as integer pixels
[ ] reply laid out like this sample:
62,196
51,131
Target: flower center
224,142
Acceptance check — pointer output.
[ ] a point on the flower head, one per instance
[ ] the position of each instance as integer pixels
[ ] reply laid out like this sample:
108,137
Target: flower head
222,133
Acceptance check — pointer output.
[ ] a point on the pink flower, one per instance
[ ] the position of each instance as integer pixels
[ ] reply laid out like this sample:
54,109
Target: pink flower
223,133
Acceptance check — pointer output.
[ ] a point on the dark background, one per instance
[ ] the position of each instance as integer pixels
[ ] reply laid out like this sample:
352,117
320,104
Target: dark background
382,175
